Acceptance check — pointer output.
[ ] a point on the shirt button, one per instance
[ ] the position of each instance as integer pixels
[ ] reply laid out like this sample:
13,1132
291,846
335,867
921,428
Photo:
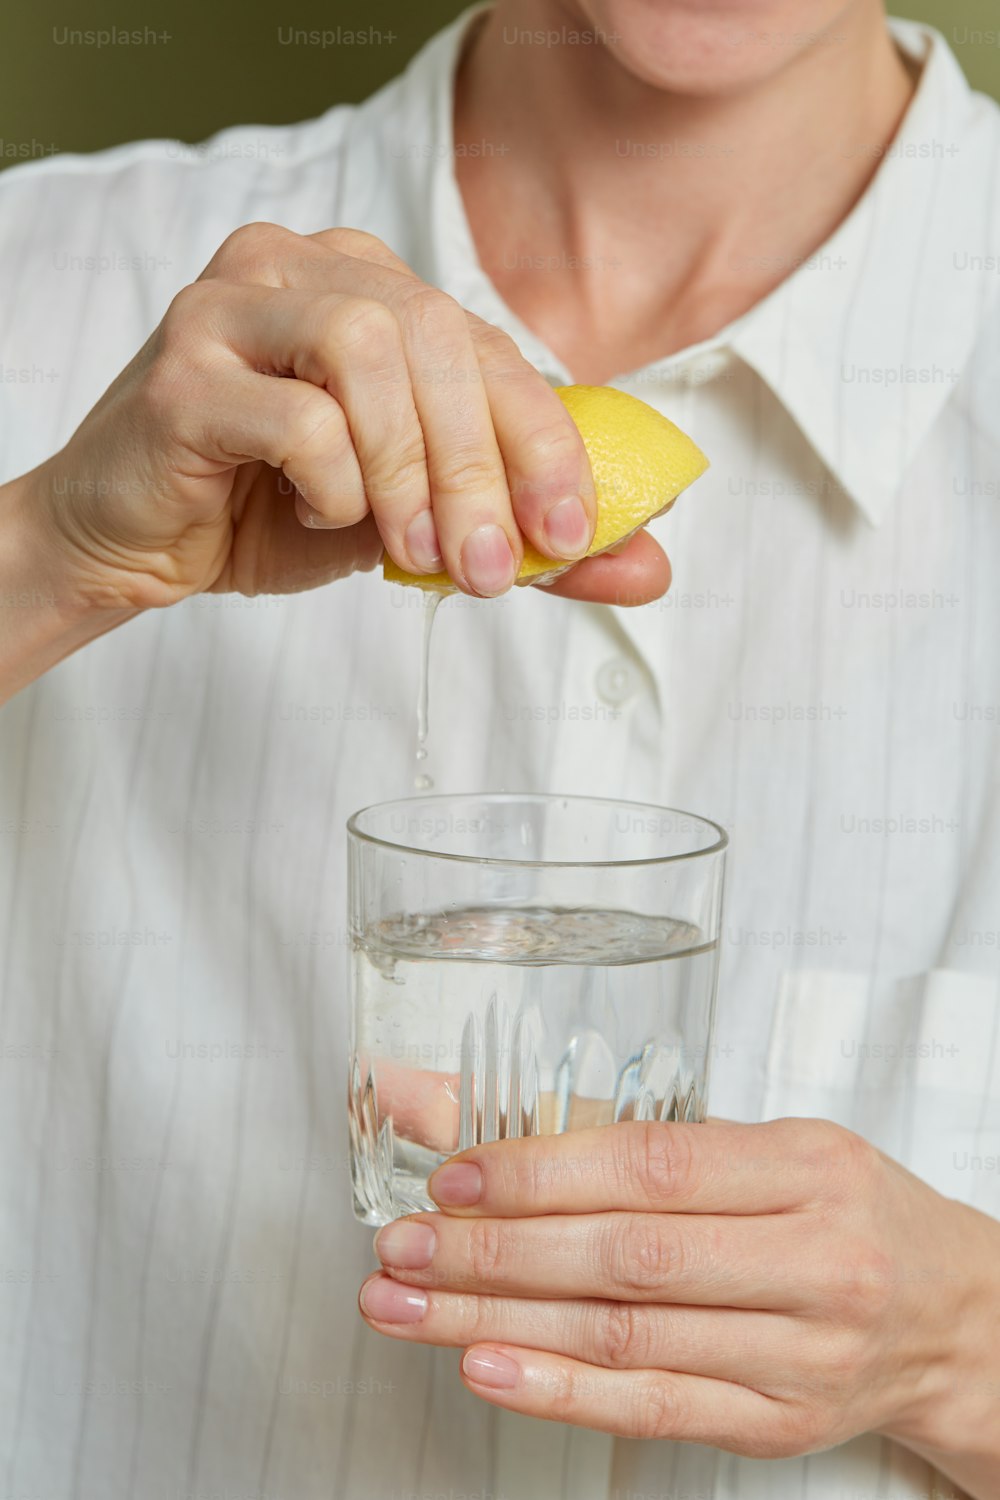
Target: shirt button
617,681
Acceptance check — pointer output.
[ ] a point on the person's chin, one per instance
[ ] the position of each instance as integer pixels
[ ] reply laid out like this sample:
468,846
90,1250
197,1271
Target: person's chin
708,47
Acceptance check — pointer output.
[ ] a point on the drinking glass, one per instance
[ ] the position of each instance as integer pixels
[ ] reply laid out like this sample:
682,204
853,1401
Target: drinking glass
522,965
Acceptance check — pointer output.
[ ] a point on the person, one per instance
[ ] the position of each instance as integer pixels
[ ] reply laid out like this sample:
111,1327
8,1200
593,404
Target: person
786,240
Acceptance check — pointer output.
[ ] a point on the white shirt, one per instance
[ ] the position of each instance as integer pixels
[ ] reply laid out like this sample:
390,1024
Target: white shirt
824,679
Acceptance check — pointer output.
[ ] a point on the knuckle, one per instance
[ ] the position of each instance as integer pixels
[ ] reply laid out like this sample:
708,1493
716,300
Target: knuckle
497,348
478,1317
487,1249
400,474
362,324
554,447
565,1392
865,1285
640,1256
534,1174
431,314
846,1153
658,1412
843,1358
183,321
833,1152
248,245
468,473
660,1157
622,1335
357,243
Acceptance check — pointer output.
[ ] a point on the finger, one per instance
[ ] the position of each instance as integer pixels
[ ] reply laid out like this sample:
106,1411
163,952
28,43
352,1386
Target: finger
421,1102
704,1168
474,525
491,422
353,347
474,521
477,375
236,343
478,535
637,575
748,1347
548,472
231,413
479,538
404,513
635,1257
628,1403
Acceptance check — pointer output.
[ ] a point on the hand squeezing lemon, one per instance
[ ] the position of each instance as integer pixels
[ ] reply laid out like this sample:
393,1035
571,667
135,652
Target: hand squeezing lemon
640,461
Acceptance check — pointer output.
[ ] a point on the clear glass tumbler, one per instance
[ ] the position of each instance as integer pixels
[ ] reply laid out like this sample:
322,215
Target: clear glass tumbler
522,965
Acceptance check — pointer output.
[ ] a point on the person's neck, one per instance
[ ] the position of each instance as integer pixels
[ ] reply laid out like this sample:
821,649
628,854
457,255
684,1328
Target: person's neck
621,222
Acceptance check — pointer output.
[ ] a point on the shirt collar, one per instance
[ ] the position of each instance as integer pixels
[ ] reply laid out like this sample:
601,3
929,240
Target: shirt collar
863,343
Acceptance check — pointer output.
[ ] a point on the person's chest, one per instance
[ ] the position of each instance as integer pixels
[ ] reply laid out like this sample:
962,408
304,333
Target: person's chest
176,798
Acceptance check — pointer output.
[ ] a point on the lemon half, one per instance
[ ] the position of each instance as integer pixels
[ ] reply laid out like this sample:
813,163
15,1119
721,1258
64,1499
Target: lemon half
640,461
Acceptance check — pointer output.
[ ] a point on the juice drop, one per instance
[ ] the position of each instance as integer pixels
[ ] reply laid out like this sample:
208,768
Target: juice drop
422,781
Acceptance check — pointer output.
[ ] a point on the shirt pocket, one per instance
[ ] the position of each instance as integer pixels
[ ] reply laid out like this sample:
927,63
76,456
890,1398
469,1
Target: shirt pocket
913,1066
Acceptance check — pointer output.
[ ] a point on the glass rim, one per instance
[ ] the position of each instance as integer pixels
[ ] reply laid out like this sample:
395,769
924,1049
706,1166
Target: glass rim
354,831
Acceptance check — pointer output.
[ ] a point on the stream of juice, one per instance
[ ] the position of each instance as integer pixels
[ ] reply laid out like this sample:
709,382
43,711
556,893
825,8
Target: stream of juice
422,781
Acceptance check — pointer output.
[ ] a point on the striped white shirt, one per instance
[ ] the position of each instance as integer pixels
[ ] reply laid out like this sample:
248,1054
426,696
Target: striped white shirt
179,1260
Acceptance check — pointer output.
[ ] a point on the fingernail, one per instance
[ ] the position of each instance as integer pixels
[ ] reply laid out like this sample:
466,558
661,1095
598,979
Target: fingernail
408,1247
487,561
422,542
494,1370
457,1185
388,1301
567,529
315,518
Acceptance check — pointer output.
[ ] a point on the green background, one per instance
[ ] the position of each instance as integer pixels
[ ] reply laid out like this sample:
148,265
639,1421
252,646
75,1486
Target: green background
220,69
